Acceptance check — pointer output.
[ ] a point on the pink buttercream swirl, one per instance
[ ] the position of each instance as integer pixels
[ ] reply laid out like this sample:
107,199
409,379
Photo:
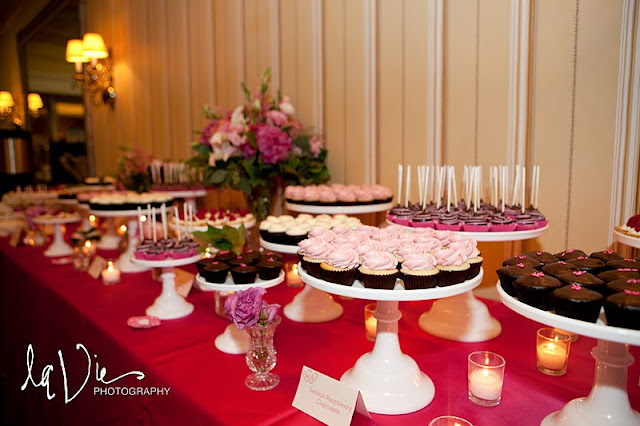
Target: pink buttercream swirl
343,241
443,236
304,245
420,262
451,257
324,234
575,286
537,274
467,246
344,258
320,250
363,249
407,249
424,232
391,245
632,293
379,261
340,230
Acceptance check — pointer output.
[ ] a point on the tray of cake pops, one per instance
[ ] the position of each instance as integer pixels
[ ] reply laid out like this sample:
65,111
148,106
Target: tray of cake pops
440,208
230,271
601,288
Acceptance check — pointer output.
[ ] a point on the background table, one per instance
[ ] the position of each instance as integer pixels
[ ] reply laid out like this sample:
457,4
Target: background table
54,308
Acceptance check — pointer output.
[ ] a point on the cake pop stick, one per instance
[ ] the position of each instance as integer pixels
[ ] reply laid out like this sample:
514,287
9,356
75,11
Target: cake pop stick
523,188
516,186
455,186
149,218
537,186
163,214
400,184
408,189
177,217
140,224
420,185
153,224
425,186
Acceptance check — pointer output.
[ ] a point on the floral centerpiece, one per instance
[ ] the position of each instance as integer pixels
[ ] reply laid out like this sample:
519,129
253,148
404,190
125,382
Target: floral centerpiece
133,173
259,147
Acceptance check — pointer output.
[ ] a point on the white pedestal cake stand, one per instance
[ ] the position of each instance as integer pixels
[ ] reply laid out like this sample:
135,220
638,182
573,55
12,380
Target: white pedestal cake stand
232,340
626,239
391,382
124,262
463,318
608,402
309,305
110,239
58,247
189,195
319,209
170,304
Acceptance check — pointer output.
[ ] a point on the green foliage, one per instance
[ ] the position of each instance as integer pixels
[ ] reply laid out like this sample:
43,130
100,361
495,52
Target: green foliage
225,238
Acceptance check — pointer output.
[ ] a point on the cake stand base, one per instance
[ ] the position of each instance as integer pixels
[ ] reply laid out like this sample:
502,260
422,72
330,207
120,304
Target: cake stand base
170,304
110,240
58,247
124,262
608,402
390,381
312,305
461,318
233,341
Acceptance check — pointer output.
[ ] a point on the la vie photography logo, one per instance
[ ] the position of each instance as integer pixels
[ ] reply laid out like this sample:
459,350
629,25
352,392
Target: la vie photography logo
103,384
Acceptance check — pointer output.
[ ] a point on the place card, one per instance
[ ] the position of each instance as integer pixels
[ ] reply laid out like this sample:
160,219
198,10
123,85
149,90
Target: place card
326,399
98,264
183,282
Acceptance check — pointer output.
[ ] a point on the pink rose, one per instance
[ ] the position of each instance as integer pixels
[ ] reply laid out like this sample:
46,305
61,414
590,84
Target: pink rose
243,307
315,146
286,107
268,313
277,117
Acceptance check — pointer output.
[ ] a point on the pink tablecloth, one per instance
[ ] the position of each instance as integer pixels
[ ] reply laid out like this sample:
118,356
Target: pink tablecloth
54,308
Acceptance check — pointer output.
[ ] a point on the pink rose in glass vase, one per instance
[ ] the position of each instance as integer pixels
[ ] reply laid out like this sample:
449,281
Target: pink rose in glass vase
244,307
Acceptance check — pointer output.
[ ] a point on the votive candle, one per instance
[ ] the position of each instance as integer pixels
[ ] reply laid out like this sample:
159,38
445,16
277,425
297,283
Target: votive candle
485,378
552,351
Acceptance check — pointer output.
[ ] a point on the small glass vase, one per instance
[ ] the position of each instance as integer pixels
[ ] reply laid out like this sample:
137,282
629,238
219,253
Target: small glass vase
261,356
81,258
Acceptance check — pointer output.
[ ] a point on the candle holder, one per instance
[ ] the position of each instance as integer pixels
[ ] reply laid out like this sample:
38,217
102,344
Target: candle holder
485,378
293,279
370,322
111,275
552,351
449,421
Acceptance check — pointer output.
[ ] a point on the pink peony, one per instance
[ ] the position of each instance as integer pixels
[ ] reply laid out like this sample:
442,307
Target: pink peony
273,143
278,118
244,307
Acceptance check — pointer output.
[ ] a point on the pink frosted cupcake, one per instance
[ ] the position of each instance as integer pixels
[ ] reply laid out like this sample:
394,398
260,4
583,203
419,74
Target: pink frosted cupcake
341,266
470,249
453,266
303,246
363,249
419,271
314,256
428,244
379,270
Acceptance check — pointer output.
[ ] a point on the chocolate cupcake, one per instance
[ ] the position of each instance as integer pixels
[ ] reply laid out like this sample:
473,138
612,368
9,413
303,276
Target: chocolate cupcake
584,279
251,256
204,262
575,301
557,268
269,269
619,286
589,264
619,274
216,272
225,256
535,289
244,274
542,257
522,258
606,255
570,254
509,274
624,264
623,309
266,255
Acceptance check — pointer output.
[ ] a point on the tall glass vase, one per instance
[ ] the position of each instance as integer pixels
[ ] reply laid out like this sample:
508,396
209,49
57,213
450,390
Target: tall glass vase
259,202
261,356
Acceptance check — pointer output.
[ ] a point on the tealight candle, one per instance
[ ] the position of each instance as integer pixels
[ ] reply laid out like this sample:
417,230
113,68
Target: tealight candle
552,350
111,275
485,378
449,421
293,278
370,322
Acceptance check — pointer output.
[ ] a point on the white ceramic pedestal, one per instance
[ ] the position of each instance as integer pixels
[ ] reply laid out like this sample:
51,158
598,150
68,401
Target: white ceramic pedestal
124,262
234,341
312,305
110,240
170,304
58,247
390,382
608,402
461,318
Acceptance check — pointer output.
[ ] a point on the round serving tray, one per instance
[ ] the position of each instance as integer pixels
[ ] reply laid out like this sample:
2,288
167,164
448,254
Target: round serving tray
168,263
318,209
229,285
280,248
117,213
495,236
186,193
57,221
398,294
626,239
598,330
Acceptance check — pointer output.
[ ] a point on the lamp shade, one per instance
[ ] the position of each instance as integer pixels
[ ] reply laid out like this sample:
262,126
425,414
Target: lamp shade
34,101
74,51
93,46
6,100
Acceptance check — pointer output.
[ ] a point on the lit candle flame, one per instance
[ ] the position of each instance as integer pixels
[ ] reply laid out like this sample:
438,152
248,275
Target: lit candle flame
143,218
87,244
123,229
294,269
110,266
207,252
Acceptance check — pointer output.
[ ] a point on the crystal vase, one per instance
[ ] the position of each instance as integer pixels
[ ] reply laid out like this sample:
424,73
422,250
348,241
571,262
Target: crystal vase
261,356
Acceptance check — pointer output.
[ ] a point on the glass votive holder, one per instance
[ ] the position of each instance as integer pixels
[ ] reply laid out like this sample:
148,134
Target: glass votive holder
370,322
291,272
485,377
574,336
552,351
449,421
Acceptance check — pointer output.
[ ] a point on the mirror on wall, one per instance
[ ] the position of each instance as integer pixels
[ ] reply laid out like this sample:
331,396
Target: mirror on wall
59,143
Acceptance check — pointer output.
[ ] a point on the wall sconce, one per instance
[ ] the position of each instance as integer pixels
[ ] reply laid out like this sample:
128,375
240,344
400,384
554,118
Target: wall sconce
96,77
7,120
34,103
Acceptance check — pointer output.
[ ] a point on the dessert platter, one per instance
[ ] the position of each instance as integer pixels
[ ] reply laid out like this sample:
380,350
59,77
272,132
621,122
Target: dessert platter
629,233
58,247
595,295
287,231
201,220
390,382
177,180
338,199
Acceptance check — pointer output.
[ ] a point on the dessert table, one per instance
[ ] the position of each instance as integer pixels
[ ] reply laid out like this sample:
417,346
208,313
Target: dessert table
55,308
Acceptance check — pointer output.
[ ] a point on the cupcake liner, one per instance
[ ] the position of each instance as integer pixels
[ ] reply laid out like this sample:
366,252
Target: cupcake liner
476,228
541,223
577,310
343,277
509,227
240,277
418,282
312,268
536,297
525,227
380,281
448,227
430,224
474,268
268,273
452,277
619,317
402,221
216,277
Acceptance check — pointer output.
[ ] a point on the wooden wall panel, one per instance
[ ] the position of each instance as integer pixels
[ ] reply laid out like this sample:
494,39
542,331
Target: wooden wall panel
159,95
